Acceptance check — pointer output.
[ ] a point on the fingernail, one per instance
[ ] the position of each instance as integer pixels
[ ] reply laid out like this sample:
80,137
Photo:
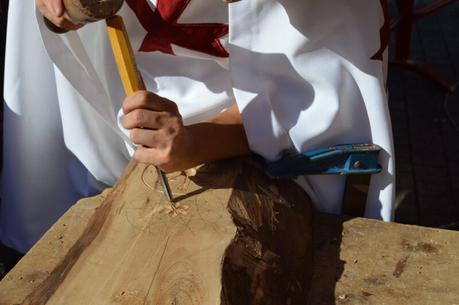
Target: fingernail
57,10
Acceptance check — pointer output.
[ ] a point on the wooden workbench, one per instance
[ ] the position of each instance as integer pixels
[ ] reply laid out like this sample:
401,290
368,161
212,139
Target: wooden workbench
356,261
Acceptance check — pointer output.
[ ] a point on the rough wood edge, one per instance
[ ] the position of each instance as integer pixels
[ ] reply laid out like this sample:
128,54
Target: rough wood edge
41,294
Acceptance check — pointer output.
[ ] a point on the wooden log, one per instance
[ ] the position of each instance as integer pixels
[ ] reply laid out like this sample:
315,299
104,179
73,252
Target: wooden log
356,261
232,237
368,262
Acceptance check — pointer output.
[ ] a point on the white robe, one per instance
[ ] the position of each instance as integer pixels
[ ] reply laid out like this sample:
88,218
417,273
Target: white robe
300,71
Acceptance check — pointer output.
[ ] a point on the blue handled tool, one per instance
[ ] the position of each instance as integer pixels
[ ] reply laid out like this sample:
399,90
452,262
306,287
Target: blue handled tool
356,161
344,159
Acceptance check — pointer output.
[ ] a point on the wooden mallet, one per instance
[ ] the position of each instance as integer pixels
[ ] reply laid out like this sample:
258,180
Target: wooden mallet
85,11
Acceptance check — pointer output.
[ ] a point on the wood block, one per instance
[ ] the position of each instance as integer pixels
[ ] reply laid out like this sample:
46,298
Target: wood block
232,237
369,262
356,261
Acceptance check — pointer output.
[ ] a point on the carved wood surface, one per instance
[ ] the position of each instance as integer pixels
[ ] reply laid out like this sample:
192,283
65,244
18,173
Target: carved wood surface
356,261
232,237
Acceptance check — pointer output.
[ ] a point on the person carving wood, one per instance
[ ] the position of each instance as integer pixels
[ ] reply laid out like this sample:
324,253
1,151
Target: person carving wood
156,125
223,80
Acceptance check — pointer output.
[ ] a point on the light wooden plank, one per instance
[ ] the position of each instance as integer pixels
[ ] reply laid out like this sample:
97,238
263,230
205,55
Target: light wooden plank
369,262
233,237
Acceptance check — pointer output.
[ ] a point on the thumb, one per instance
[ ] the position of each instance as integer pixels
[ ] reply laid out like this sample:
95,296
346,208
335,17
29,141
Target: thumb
58,7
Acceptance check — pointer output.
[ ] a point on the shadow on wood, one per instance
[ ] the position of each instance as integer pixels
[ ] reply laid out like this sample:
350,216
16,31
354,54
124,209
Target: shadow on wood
270,259
240,239
328,266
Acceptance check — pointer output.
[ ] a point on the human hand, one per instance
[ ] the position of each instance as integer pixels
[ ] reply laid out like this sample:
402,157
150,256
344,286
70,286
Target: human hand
54,12
156,126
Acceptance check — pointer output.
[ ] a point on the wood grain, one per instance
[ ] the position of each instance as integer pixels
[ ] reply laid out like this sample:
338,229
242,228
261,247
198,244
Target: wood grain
356,261
232,237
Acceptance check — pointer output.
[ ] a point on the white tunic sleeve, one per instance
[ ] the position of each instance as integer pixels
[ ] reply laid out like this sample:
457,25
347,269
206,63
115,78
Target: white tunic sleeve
304,78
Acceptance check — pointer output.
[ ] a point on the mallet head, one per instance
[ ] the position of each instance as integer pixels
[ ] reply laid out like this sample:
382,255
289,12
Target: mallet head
84,11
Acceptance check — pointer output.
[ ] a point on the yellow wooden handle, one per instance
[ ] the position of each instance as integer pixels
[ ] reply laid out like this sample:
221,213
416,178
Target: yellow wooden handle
130,75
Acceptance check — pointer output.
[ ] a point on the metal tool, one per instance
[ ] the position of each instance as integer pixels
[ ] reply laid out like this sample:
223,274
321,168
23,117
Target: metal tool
82,12
347,159
355,161
130,75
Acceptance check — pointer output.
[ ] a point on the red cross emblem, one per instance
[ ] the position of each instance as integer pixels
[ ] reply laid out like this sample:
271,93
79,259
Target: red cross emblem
164,30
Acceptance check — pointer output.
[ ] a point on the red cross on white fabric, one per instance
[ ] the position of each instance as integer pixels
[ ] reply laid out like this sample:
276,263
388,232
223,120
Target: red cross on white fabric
164,30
